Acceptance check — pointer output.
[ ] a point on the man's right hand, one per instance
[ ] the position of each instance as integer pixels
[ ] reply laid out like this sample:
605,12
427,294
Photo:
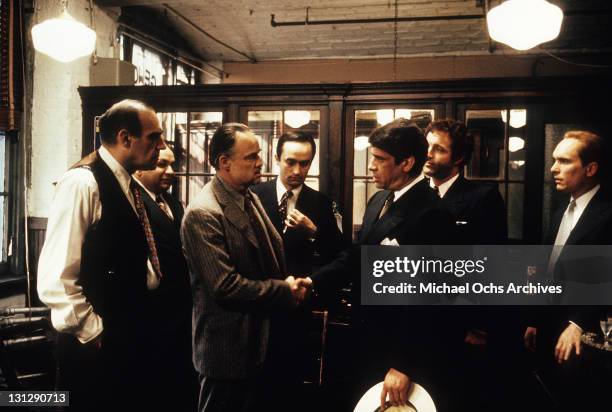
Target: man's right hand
530,338
300,288
396,385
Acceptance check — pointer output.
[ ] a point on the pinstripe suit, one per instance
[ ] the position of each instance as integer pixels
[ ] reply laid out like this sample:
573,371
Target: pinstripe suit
232,296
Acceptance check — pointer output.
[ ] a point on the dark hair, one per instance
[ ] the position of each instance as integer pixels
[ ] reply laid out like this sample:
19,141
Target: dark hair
462,143
122,115
592,148
223,141
401,139
295,137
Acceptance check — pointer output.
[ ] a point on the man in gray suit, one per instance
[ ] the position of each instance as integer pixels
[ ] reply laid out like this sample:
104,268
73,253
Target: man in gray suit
238,279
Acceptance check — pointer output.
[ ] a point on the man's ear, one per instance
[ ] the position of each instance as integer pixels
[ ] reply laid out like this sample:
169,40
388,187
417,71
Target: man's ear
224,162
408,164
457,163
123,138
591,169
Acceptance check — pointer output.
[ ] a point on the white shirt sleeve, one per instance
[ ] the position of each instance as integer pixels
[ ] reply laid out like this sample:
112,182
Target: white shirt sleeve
75,207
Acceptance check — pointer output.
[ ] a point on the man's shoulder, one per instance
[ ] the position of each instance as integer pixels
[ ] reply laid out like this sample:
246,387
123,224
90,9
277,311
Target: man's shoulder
314,195
477,189
78,178
204,202
264,188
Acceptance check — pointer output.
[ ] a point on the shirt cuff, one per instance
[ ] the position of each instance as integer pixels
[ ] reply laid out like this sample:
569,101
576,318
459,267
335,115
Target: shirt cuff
576,325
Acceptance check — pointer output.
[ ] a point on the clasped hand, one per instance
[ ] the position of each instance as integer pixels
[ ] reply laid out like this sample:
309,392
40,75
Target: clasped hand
298,220
300,288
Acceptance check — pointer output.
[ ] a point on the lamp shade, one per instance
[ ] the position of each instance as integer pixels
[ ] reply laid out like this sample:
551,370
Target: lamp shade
523,24
63,38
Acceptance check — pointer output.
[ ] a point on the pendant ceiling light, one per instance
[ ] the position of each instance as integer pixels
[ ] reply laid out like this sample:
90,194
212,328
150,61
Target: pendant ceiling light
523,24
297,118
63,38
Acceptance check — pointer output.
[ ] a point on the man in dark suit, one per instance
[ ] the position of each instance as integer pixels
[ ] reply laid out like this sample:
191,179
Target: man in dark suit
480,218
395,341
478,208
98,268
170,303
579,163
238,279
303,216
306,221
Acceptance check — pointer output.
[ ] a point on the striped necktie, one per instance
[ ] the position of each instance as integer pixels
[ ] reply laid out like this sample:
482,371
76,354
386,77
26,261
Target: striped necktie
146,226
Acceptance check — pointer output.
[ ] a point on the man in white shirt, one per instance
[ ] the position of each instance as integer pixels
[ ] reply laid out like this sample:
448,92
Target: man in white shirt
586,219
97,264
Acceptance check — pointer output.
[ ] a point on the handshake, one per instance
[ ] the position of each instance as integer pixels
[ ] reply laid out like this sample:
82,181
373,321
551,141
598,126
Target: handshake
300,288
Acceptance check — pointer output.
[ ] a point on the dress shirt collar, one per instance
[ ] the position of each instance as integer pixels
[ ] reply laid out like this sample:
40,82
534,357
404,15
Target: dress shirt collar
582,202
123,177
399,193
443,188
236,196
281,190
151,194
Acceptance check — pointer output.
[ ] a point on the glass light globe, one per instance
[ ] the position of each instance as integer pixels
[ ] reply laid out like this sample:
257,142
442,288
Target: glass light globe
63,38
297,118
523,24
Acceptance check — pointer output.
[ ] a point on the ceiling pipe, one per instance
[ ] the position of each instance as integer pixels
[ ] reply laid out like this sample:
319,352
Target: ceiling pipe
308,22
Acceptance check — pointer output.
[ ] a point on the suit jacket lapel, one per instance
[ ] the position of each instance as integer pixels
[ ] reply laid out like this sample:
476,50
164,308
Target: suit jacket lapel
595,211
269,200
275,239
158,217
232,212
370,216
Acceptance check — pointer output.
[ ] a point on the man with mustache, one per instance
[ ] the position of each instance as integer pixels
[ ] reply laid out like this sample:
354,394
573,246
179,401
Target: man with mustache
170,303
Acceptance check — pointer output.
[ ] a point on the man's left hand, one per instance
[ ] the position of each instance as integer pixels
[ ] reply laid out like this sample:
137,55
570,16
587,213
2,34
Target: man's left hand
298,220
569,339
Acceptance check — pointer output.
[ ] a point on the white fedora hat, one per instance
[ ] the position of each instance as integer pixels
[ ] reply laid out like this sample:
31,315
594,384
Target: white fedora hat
418,400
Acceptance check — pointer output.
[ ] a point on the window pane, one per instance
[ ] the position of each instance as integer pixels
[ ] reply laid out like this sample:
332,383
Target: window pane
202,128
487,128
514,206
151,71
362,192
180,142
516,143
2,162
3,199
269,125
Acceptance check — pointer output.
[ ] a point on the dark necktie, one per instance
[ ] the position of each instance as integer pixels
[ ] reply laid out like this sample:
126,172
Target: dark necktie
437,190
263,239
282,207
163,206
146,226
387,205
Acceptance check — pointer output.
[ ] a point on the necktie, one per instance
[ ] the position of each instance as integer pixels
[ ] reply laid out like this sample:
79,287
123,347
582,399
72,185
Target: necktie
387,205
282,207
437,190
146,226
162,205
565,228
263,239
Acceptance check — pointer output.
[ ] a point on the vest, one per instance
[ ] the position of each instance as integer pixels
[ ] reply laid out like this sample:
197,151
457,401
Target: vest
114,261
